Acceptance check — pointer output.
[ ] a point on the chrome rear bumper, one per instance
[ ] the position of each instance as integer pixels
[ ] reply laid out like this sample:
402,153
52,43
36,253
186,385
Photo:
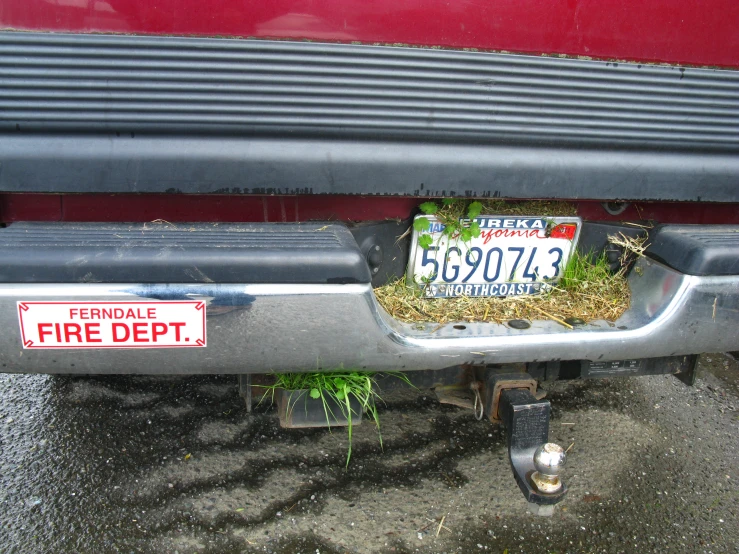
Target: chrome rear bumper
262,328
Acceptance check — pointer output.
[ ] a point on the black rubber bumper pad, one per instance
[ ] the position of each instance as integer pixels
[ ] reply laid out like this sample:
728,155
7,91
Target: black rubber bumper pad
300,253
697,249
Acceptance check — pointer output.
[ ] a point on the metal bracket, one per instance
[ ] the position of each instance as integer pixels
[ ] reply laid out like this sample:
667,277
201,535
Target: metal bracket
527,422
688,371
245,390
497,383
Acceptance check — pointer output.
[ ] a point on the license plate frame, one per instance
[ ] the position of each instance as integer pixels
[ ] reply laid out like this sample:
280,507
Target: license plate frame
501,233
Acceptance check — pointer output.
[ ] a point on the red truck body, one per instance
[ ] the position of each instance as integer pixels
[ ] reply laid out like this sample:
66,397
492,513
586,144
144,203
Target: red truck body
661,31
221,186
125,111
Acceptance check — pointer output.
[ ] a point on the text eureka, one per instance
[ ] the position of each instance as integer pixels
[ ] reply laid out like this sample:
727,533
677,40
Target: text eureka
497,223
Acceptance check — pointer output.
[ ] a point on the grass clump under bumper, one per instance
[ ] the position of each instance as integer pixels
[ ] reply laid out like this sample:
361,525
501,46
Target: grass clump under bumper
337,389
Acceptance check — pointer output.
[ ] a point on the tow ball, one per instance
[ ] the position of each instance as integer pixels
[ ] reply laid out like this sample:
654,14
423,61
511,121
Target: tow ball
536,463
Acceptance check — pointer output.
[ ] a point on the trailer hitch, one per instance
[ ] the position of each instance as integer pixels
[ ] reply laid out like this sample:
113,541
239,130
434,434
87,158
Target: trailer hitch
510,396
536,463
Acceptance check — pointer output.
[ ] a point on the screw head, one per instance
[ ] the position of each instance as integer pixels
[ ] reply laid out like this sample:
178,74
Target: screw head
375,257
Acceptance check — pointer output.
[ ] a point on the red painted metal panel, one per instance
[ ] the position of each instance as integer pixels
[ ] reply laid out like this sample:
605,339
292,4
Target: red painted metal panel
135,207
30,207
676,31
182,208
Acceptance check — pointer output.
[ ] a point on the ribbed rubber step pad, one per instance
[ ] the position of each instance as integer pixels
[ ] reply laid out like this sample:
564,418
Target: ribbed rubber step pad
162,252
697,249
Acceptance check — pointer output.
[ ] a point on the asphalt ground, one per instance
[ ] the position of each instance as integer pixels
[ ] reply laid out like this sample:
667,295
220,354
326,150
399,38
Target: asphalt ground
144,464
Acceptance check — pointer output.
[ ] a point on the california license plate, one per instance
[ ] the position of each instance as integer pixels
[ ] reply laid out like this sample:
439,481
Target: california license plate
513,256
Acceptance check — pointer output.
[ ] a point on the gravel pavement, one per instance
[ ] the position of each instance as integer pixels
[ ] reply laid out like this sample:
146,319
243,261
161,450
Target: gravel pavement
143,464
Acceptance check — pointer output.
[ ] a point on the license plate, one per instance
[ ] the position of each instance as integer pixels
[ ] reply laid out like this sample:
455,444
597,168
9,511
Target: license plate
513,256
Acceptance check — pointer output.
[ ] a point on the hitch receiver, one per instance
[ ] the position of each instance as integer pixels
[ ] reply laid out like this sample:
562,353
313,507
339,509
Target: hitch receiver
536,463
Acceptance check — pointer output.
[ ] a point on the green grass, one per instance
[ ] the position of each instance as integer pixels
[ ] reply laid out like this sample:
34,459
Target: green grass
584,268
337,388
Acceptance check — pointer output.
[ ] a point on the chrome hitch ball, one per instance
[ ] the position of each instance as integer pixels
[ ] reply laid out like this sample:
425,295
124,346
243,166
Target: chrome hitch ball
549,461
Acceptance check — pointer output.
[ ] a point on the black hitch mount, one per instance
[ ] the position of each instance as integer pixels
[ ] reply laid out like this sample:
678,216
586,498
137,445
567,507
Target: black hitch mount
536,463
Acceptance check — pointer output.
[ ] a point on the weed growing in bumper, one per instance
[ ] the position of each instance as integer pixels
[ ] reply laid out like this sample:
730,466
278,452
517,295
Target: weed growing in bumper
452,210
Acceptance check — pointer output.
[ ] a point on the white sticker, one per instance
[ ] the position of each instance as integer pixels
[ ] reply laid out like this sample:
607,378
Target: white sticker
161,324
